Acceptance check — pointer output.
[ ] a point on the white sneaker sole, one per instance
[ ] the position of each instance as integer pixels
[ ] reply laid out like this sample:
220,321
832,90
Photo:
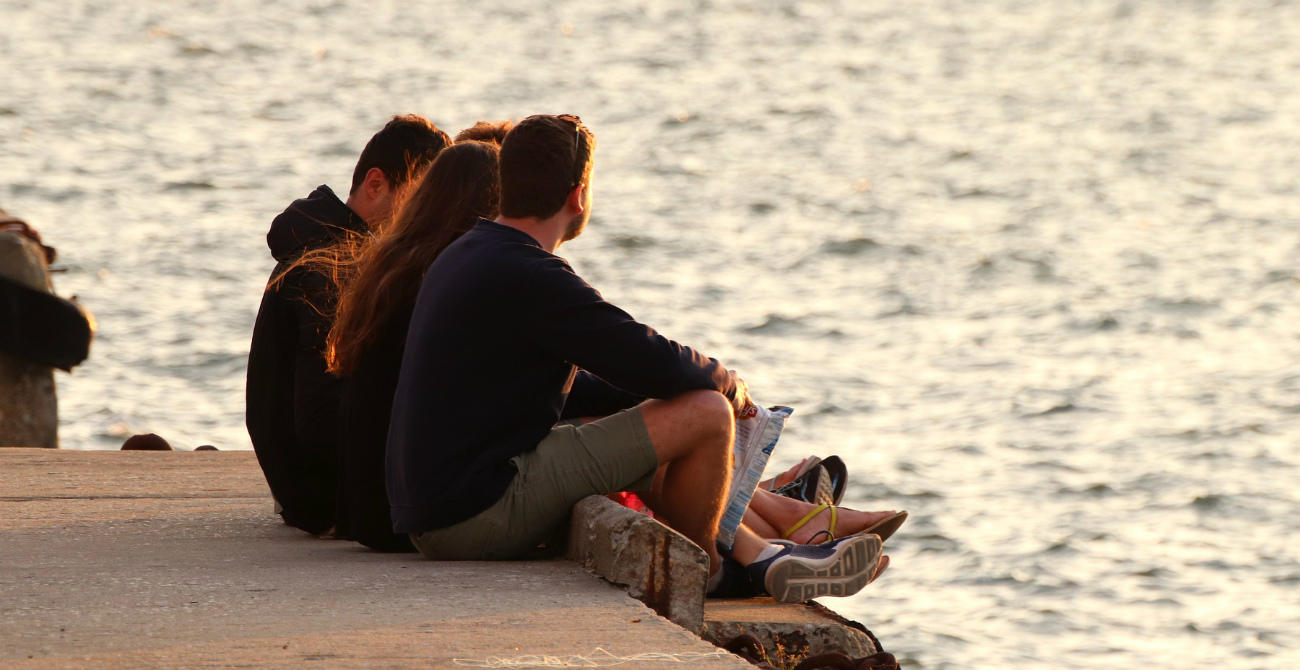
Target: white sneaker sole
796,579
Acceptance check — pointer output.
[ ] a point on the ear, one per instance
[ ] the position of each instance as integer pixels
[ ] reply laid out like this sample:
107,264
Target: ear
375,184
577,199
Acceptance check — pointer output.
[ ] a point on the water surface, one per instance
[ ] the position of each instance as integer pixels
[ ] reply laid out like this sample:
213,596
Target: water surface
1029,267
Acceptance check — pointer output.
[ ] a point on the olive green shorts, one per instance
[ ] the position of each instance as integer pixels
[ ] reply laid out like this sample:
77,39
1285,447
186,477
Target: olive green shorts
572,462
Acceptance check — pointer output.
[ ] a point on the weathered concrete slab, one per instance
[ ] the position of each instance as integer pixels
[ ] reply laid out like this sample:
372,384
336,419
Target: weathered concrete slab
786,631
174,559
666,571
658,565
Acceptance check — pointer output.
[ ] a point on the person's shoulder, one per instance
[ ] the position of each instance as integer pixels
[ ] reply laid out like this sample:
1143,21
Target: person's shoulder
550,264
311,222
502,247
552,275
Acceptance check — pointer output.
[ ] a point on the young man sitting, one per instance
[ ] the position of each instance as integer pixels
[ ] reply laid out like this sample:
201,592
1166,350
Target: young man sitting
292,402
506,341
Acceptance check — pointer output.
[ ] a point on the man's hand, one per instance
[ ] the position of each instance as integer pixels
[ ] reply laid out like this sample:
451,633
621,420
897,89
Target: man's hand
742,399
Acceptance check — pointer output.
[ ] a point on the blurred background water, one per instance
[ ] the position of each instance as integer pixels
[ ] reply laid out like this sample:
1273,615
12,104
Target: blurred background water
1029,267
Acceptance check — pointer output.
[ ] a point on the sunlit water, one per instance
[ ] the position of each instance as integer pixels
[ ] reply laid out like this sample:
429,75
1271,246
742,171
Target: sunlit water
1029,267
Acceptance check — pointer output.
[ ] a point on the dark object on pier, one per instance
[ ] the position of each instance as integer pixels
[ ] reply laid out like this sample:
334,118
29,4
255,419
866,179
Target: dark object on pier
35,324
206,447
148,442
42,328
38,332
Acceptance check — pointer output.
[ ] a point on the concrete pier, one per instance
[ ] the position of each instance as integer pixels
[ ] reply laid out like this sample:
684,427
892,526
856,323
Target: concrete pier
174,560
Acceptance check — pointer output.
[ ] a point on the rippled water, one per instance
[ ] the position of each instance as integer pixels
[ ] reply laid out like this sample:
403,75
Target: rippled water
1029,267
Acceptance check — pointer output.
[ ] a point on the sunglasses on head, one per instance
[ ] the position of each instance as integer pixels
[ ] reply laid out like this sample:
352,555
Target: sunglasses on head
577,140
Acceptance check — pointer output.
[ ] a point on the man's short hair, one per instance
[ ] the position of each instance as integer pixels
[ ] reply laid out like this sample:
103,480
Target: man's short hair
403,147
493,132
542,160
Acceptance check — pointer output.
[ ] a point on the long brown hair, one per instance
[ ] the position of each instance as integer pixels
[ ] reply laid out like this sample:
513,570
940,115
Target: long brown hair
462,185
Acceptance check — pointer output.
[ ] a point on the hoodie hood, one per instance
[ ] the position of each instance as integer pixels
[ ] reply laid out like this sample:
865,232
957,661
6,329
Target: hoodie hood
311,222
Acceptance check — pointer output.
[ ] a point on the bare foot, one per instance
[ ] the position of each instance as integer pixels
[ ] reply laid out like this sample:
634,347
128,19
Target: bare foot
847,522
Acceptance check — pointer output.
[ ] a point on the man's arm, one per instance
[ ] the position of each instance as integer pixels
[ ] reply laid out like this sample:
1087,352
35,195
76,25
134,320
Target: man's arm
592,396
572,321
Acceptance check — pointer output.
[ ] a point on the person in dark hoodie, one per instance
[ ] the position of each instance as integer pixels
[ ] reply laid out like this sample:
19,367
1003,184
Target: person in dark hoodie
292,402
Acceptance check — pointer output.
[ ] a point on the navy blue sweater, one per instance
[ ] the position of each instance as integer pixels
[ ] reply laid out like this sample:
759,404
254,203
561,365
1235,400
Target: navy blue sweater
500,330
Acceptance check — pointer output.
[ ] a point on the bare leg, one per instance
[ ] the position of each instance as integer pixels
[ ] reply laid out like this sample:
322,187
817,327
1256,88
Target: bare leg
692,435
771,515
759,525
748,546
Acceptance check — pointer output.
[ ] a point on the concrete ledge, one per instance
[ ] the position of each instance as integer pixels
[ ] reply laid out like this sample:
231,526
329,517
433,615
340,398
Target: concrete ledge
160,559
658,565
664,570
788,632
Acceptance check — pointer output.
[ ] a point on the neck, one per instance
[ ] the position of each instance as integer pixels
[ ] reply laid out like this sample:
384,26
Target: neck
548,232
354,203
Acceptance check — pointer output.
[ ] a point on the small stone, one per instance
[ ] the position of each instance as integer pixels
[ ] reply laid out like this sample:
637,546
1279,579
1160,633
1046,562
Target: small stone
148,442
206,447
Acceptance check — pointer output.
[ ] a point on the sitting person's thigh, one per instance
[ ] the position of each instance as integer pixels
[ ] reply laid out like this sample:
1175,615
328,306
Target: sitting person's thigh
605,456
572,462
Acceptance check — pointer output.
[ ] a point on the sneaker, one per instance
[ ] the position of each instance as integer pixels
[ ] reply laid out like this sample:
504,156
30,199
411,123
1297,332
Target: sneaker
820,484
803,572
735,582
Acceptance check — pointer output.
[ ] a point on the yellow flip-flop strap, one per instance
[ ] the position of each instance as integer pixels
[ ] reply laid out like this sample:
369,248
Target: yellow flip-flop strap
804,521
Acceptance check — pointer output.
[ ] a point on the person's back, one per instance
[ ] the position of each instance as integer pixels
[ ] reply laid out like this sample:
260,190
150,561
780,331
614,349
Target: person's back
367,342
292,402
462,342
366,403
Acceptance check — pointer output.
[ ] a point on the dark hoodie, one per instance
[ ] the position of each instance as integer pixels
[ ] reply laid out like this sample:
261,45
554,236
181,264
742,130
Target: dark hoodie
292,403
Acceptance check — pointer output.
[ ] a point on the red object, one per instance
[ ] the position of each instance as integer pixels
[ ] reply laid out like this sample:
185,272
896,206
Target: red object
631,501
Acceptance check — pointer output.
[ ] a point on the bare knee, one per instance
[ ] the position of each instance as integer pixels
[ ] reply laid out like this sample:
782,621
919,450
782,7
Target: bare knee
689,422
713,412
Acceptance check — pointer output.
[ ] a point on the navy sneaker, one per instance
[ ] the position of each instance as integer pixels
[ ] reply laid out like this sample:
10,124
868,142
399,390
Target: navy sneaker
735,582
803,572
